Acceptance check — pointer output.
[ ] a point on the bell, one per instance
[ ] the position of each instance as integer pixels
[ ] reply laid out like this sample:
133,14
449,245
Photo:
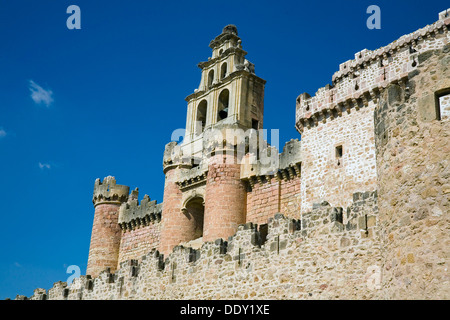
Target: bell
223,113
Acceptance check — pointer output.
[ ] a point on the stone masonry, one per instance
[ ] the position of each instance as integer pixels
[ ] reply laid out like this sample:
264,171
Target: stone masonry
317,257
358,208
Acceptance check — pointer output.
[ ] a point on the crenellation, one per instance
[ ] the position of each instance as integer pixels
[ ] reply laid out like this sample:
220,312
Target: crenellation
194,176
154,258
133,214
280,224
79,287
445,14
39,294
287,166
244,255
371,71
246,240
57,291
107,191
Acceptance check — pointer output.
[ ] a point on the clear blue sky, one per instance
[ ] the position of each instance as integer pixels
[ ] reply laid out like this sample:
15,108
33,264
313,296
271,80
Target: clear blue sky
76,105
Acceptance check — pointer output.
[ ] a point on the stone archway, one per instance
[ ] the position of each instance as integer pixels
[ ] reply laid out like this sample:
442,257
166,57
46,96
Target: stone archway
194,209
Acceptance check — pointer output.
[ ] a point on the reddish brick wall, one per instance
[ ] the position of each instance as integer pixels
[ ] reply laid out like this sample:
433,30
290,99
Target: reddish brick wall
270,197
290,201
105,239
177,226
263,201
225,198
136,243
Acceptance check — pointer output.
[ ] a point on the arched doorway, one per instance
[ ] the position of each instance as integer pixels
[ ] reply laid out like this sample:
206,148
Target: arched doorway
195,211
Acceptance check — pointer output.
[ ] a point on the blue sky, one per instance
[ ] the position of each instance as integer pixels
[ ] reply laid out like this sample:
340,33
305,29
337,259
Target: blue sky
76,105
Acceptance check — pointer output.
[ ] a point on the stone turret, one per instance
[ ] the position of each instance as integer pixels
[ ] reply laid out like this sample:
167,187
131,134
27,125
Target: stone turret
108,192
106,233
175,224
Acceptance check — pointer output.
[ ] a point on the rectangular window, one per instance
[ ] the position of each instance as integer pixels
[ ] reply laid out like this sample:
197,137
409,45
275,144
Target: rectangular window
443,104
339,153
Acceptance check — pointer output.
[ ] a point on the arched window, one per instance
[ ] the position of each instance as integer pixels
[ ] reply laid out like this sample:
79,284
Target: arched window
223,70
195,212
222,111
210,78
201,113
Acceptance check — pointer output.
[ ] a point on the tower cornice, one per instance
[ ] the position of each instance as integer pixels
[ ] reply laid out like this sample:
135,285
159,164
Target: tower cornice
231,76
229,51
228,33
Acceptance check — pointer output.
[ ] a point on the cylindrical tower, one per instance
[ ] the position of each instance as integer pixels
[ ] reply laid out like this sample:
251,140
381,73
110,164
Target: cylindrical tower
177,225
225,196
106,233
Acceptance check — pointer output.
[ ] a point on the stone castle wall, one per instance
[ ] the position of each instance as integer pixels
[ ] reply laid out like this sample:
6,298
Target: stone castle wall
341,114
328,176
413,161
330,253
361,79
139,225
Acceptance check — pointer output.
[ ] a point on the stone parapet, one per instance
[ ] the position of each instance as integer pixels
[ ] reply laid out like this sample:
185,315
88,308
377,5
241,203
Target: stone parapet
312,258
133,214
108,192
194,176
286,167
361,80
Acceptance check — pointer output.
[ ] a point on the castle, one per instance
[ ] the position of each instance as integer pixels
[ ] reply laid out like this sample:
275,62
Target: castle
358,209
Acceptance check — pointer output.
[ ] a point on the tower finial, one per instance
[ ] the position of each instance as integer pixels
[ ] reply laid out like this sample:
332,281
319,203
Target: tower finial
231,28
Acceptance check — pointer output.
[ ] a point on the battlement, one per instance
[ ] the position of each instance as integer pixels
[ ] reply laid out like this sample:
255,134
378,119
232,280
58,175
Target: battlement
229,139
260,260
286,167
194,176
107,191
133,215
360,80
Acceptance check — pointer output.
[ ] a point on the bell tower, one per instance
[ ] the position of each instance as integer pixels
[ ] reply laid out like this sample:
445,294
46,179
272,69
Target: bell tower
229,92
230,96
